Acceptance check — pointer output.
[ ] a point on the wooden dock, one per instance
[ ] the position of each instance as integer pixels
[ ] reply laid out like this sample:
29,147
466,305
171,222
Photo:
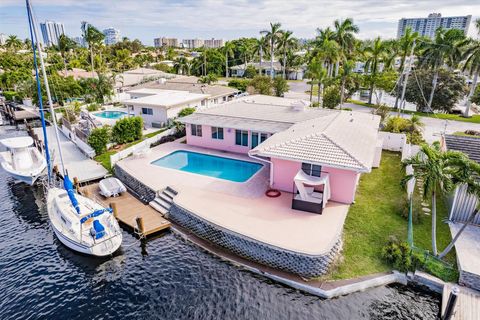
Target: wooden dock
129,209
467,306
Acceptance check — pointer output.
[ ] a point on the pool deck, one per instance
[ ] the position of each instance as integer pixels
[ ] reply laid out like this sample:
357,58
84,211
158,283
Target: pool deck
242,207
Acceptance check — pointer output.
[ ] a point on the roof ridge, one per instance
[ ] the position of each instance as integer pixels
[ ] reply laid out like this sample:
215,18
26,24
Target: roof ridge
344,150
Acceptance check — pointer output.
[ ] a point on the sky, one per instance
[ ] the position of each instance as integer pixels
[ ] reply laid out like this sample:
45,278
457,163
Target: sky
226,19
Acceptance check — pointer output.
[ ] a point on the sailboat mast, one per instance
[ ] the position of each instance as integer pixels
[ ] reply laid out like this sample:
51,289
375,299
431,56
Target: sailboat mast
40,100
47,87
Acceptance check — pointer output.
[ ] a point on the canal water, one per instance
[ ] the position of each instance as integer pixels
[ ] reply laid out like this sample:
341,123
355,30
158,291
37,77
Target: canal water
166,278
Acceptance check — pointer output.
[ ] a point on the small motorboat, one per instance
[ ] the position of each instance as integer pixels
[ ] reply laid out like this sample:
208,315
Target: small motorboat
111,187
82,224
22,160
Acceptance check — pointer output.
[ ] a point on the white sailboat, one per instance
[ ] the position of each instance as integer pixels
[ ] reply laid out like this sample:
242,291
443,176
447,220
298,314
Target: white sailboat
22,160
79,222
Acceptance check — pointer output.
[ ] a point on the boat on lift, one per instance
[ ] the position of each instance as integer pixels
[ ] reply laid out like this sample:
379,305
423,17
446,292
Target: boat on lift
22,160
80,223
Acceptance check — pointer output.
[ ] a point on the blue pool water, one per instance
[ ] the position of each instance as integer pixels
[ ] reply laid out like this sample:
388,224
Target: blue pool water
110,114
208,165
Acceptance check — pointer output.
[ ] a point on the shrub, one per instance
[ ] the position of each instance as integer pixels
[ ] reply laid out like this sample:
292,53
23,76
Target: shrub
185,112
280,86
347,109
314,104
331,97
93,107
99,138
398,254
476,96
250,72
240,84
383,111
10,95
397,125
262,85
127,130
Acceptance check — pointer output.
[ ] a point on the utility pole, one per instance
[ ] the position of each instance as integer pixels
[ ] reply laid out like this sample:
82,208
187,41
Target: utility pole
406,71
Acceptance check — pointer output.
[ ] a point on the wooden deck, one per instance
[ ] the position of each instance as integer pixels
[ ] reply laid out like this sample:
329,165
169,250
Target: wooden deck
467,306
128,209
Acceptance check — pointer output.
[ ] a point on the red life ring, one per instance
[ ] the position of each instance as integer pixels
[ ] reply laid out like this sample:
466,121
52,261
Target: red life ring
273,193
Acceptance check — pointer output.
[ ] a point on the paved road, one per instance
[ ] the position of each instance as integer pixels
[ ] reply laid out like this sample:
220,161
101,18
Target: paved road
433,127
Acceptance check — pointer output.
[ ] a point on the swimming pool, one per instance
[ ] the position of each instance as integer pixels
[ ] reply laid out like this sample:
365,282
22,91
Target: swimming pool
110,114
209,165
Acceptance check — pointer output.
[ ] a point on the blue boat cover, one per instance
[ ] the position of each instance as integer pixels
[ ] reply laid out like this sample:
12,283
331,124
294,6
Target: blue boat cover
99,229
68,185
95,213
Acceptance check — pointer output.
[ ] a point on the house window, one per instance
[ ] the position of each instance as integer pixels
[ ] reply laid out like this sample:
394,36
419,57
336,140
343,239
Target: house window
217,133
257,138
312,169
196,130
203,103
148,111
241,138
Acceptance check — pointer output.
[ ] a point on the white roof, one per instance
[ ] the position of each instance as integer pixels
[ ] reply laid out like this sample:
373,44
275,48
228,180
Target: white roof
165,98
343,139
17,142
257,112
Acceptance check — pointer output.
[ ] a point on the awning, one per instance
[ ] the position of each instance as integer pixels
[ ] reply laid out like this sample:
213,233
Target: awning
303,180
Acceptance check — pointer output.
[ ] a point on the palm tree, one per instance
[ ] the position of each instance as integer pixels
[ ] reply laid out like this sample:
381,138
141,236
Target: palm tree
13,42
180,65
375,54
317,73
259,48
272,36
405,45
285,43
65,44
228,50
472,63
94,38
437,171
327,49
345,37
444,49
345,74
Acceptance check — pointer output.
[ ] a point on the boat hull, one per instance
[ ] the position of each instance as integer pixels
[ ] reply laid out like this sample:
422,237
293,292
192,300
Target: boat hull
103,248
29,178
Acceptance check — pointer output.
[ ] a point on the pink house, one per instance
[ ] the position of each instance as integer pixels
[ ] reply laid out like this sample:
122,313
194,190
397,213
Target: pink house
316,154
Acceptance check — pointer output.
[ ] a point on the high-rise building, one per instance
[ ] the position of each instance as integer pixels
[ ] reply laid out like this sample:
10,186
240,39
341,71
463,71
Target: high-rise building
213,43
3,39
112,36
163,41
79,41
51,32
427,26
192,43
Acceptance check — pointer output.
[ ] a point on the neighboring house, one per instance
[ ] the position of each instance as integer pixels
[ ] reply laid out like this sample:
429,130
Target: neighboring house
296,74
217,94
157,107
78,73
332,146
131,78
463,204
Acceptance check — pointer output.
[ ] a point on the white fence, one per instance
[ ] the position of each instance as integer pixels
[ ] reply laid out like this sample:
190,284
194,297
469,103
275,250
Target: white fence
85,148
139,147
393,141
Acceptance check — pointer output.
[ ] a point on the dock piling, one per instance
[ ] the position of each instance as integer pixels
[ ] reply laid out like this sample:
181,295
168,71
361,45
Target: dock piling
140,227
452,300
113,206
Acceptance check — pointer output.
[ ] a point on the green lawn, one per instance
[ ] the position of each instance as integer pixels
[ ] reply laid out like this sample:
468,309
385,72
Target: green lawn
441,116
375,216
104,158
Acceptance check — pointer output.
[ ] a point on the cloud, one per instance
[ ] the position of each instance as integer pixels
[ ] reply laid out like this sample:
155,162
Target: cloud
146,19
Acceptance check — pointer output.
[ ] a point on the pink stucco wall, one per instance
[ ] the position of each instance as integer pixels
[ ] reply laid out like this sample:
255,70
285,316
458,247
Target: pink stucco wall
206,141
343,183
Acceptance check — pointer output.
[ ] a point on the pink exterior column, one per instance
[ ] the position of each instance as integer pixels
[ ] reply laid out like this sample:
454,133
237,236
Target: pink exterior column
343,183
206,141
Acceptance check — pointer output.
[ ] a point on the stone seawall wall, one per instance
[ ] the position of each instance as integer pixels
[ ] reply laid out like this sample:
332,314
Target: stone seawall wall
144,193
305,265
469,280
